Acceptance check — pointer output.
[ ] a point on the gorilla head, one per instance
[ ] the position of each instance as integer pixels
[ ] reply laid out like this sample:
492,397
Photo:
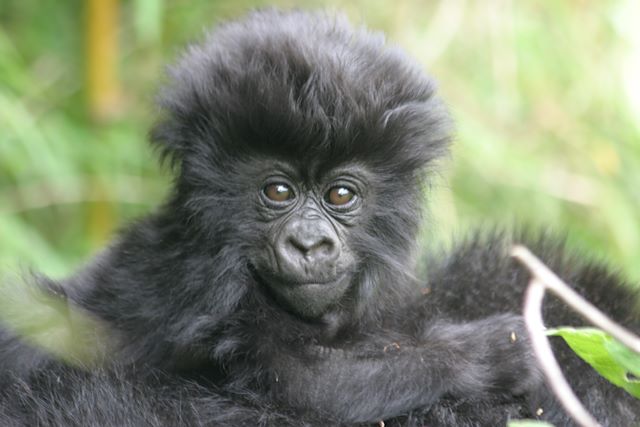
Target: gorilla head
301,149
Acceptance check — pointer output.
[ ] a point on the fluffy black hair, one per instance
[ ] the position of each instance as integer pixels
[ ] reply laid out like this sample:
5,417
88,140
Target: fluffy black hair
257,85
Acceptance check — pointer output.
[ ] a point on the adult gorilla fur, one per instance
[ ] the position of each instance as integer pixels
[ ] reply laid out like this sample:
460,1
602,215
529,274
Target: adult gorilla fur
277,287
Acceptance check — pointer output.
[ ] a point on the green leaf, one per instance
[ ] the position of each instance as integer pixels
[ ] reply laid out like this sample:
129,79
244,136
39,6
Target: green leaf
627,358
610,358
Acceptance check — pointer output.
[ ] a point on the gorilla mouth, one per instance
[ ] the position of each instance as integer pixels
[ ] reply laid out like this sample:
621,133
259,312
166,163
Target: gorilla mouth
273,281
324,282
308,298
272,278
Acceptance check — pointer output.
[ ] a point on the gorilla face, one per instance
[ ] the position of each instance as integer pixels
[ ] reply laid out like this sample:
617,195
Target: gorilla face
301,165
305,258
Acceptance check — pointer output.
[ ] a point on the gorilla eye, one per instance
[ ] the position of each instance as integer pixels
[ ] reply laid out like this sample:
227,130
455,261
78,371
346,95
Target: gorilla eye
278,192
339,196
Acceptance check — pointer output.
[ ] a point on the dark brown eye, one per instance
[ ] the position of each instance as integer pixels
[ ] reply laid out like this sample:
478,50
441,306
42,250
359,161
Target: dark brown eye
278,192
339,196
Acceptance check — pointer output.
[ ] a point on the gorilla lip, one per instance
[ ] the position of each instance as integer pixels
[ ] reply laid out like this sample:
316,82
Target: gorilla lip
279,281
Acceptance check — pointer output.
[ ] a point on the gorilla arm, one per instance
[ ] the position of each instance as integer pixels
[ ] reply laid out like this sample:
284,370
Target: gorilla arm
387,371
362,383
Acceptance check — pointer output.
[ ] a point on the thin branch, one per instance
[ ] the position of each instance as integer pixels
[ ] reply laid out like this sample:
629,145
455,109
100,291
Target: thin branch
543,279
573,299
544,353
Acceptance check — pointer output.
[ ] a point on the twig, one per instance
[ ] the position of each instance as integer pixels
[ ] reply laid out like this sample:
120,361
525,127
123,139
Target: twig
573,299
544,353
543,279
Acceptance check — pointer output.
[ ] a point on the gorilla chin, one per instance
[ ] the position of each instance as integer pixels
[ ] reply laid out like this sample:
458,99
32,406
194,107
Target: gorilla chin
307,298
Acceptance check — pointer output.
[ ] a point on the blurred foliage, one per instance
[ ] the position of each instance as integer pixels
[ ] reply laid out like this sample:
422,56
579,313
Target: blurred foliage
546,97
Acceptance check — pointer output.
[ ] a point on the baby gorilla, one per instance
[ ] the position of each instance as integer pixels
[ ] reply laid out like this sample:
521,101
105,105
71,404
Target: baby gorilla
277,286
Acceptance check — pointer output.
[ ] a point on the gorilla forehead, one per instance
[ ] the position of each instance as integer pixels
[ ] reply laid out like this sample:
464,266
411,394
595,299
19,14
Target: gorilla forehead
303,86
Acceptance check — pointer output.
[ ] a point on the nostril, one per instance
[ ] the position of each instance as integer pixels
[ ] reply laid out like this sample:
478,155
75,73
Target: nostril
298,244
315,245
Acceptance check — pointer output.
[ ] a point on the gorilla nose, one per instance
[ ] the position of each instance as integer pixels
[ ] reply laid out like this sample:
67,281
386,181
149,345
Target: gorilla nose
313,247
308,247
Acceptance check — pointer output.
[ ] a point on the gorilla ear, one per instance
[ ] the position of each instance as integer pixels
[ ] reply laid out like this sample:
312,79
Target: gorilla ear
180,123
178,104
188,104
166,140
416,134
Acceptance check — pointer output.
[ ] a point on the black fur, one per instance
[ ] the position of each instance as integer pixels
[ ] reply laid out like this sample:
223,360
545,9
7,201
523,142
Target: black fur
193,335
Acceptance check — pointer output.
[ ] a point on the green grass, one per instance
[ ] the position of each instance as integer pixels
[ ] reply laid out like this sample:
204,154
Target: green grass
548,118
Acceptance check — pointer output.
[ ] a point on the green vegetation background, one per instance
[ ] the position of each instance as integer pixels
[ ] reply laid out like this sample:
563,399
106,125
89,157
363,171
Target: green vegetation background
546,96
